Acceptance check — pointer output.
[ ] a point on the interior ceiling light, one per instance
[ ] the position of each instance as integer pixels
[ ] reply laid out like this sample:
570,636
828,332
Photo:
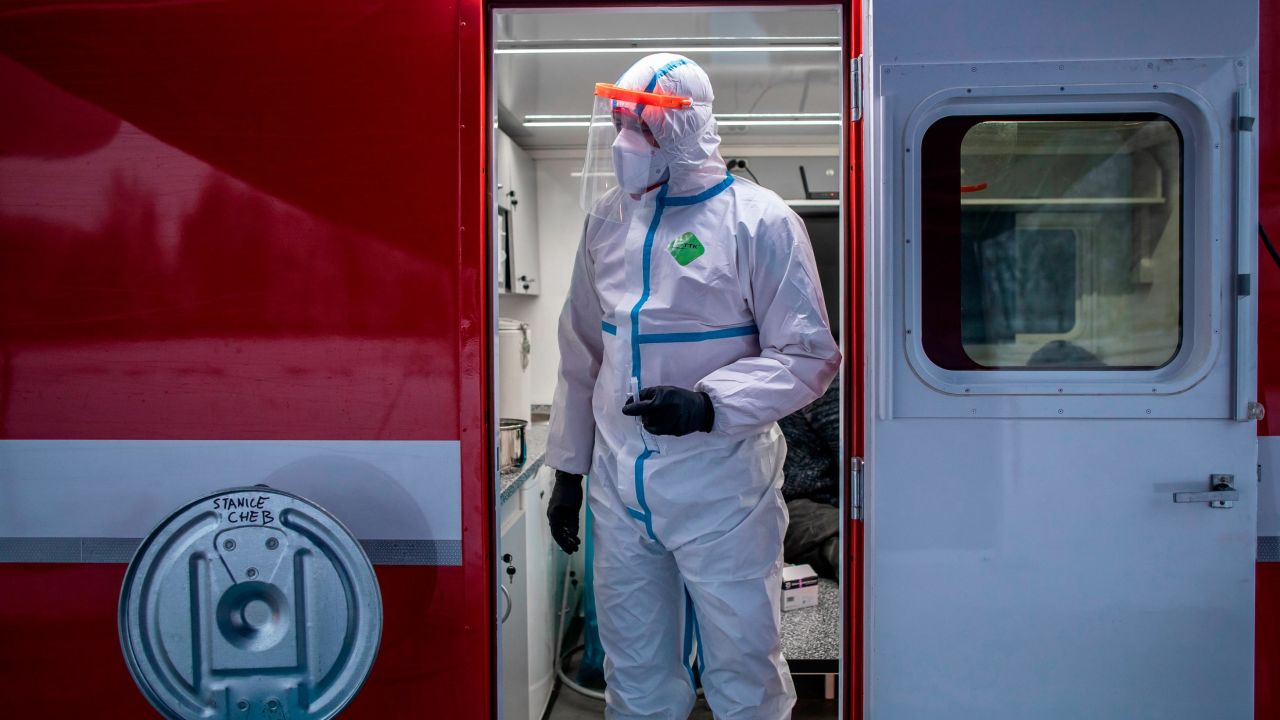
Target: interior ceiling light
675,45
726,119
681,50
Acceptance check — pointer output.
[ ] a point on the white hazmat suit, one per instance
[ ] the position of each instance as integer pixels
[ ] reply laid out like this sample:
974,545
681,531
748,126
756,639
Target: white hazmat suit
704,282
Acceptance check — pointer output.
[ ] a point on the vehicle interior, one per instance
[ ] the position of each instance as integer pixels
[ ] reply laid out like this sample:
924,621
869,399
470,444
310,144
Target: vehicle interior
779,91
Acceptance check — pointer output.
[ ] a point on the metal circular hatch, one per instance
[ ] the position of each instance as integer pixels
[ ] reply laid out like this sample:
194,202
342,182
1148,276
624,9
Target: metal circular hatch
250,603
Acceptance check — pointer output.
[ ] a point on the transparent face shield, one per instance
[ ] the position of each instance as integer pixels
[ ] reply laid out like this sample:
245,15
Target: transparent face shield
623,156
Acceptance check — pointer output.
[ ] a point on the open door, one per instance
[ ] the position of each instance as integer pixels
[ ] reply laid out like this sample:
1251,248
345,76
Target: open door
1060,446
853,371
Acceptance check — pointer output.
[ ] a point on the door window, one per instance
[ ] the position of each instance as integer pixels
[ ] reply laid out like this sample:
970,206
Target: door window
1051,242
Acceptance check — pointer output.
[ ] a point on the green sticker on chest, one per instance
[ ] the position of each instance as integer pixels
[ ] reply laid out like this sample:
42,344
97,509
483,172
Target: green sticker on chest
686,248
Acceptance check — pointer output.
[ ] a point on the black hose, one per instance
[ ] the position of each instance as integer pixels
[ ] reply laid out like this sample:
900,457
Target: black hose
1271,249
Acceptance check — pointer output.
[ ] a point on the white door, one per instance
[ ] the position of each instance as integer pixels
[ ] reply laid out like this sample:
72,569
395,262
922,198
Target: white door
1060,340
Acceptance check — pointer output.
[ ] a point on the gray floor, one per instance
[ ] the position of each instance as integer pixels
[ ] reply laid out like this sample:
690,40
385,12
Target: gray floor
810,635
572,706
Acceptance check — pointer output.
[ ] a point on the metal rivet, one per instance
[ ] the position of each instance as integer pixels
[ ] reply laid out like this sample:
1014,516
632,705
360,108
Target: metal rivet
1059,389
228,544
1059,411
251,572
272,543
243,705
1148,411
273,704
968,90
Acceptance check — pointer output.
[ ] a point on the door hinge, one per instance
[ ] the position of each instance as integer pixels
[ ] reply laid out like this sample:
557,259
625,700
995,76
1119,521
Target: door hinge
855,89
855,488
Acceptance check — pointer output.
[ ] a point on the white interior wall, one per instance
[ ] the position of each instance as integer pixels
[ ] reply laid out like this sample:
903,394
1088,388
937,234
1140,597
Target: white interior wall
559,230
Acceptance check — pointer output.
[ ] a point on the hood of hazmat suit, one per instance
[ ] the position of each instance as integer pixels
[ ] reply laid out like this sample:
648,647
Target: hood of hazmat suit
653,126
690,277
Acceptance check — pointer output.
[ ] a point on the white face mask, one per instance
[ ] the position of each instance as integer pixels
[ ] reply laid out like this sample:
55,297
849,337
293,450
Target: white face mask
634,162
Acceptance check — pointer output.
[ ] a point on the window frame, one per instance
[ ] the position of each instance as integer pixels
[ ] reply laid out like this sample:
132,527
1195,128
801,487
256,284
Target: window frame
1085,240
1202,252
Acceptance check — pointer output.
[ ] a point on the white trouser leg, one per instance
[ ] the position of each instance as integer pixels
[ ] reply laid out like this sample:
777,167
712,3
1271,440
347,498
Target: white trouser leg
744,674
640,602
736,603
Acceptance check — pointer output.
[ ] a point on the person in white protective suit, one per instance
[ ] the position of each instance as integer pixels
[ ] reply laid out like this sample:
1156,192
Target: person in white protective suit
694,322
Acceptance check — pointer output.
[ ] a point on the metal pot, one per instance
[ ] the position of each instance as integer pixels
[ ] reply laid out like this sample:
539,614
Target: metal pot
512,451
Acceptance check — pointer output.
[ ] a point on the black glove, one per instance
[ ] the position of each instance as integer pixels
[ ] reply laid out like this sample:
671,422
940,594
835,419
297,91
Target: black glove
563,508
667,410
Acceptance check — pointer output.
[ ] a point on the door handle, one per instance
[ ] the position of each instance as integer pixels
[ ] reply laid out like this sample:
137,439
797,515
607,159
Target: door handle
505,613
1222,494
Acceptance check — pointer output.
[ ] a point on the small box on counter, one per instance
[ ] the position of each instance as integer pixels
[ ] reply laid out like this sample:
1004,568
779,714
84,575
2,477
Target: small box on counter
799,587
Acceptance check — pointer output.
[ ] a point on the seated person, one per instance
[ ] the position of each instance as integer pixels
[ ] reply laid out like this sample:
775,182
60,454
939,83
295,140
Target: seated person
810,484
1064,354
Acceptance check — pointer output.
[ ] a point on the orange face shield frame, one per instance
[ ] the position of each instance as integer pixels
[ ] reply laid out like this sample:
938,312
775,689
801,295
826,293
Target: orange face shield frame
639,97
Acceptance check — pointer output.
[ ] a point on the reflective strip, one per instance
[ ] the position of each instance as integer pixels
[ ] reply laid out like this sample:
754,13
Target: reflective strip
91,500
707,194
743,331
121,550
1268,548
609,327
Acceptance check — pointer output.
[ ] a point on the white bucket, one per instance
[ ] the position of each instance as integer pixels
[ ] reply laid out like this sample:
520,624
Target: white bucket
513,369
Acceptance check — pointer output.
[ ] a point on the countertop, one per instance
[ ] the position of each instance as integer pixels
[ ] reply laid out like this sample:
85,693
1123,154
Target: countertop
535,438
813,633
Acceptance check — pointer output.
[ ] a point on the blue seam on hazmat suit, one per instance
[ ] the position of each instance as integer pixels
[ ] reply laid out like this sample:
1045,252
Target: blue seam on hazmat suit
635,352
663,71
707,194
646,254
636,339
609,327
644,506
697,635
688,637
742,331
